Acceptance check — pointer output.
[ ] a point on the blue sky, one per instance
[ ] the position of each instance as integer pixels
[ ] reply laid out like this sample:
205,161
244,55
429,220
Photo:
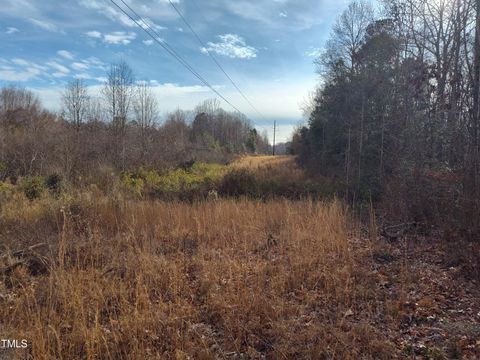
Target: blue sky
266,46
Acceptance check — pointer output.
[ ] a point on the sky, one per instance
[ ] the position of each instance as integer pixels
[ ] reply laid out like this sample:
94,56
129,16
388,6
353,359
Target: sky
266,46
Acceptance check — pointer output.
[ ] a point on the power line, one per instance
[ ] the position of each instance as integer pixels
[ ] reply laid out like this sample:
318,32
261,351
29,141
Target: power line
169,49
214,58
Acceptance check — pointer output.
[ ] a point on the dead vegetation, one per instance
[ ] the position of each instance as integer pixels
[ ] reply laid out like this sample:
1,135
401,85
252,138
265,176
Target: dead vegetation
222,279
90,276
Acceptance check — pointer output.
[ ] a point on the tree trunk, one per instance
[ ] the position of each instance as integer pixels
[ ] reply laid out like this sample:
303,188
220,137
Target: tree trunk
476,110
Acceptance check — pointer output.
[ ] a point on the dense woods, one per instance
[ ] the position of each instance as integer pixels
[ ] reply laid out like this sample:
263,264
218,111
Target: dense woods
396,116
120,130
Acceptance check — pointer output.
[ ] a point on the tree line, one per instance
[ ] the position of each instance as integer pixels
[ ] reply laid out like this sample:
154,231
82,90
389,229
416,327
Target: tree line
120,130
396,116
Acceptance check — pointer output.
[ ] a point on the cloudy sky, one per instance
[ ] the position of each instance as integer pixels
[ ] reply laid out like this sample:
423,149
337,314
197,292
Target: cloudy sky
266,46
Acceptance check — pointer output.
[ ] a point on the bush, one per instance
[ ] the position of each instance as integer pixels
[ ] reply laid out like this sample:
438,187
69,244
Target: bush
6,191
54,183
186,165
133,183
32,186
239,182
150,176
187,183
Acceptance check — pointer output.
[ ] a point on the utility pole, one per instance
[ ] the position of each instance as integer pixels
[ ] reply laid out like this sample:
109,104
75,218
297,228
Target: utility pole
274,133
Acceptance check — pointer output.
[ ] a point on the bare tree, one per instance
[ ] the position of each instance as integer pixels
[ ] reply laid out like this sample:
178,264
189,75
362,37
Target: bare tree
209,106
174,137
14,98
95,110
118,93
146,113
349,32
75,101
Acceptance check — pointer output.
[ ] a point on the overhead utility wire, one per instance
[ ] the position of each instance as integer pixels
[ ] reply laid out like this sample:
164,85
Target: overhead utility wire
214,58
169,49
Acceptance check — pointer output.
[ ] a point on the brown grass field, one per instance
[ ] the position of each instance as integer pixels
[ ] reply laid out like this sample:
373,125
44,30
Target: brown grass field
254,162
265,166
118,278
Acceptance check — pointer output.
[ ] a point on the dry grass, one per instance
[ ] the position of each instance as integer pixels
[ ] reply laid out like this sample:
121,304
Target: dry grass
220,279
264,166
253,162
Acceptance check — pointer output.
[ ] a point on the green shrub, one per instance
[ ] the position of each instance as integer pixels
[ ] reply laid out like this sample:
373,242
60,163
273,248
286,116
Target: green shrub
32,186
191,181
150,176
133,183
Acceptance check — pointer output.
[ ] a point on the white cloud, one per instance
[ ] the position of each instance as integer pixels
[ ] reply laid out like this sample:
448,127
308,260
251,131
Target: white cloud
283,14
107,10
148,42
84,76
11,30
50,97
45,25
170,89
116,37
59,67
15,75
80,66
158,9
6,67
94,34
29,64
233,46
151,25
119,37
92,61
170,96
65,54
20,62
20,70
314,52
59,74
302,14
87,76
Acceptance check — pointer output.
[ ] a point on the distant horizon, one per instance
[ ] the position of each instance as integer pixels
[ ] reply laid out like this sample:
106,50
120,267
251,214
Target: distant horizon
51,101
